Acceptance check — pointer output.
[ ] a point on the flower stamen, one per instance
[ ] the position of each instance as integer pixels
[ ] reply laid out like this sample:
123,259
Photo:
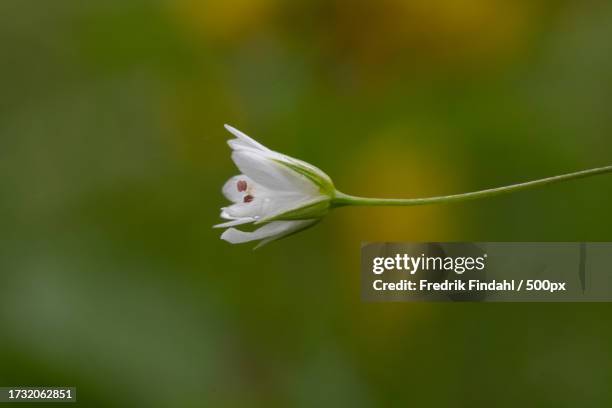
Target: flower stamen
241,185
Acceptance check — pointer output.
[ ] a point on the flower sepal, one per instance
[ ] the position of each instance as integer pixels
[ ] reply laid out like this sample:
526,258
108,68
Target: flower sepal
311,210
311,173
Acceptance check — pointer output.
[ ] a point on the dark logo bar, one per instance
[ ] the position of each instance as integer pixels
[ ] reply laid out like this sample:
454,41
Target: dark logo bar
487,271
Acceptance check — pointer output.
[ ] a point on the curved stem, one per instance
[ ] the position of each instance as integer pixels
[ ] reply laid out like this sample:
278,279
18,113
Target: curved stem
342,199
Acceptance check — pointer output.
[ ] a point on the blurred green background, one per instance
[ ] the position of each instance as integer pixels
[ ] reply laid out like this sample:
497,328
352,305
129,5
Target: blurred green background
112,156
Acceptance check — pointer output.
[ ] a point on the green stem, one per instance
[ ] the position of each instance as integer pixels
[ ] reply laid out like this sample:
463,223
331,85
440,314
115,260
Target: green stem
342,199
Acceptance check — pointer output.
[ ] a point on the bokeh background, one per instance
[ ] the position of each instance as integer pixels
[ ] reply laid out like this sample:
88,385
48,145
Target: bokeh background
112,155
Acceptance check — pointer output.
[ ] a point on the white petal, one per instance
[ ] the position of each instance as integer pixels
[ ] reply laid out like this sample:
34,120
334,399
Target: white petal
268,206
243,140
296,227
268,232
225,215
241,210
274,176
233,223
230,188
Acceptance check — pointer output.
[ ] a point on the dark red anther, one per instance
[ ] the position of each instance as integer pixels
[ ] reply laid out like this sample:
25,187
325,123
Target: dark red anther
242,185
248,198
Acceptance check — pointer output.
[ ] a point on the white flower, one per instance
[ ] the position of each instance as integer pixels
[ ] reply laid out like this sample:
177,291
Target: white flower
283,193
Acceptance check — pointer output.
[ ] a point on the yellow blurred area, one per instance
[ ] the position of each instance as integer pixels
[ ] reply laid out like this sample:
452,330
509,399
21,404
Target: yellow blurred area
446,31
388,166
375,44
225,20
459,33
